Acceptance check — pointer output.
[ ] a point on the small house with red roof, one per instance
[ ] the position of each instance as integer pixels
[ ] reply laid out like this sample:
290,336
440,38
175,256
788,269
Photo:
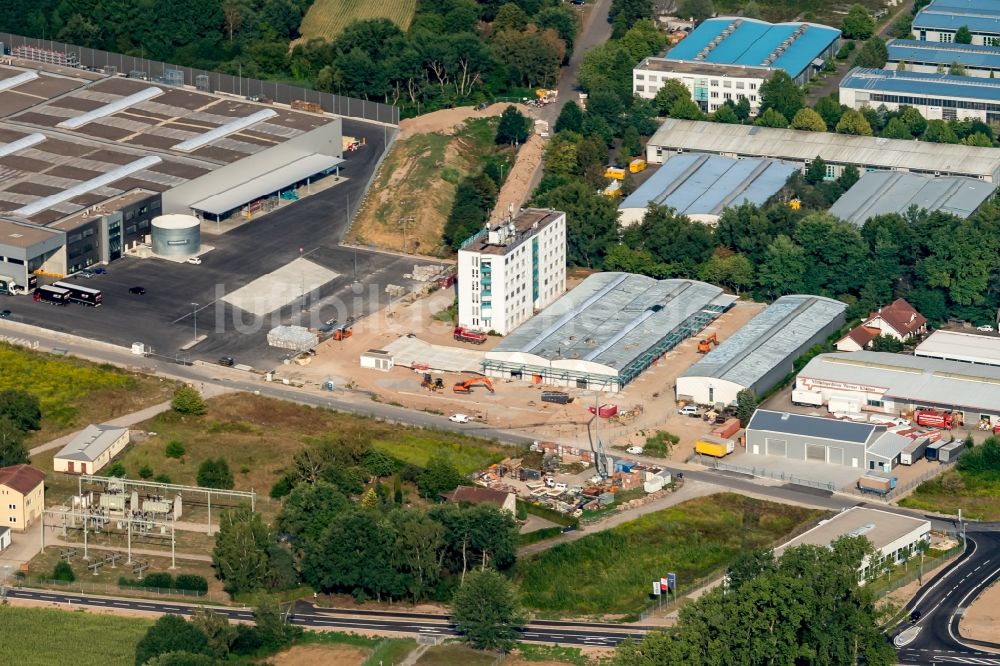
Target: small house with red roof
899,320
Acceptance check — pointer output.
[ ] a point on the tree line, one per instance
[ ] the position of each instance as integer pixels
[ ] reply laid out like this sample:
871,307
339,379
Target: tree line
20,414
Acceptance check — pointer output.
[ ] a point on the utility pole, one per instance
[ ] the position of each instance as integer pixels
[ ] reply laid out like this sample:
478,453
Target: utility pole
405,221
194,311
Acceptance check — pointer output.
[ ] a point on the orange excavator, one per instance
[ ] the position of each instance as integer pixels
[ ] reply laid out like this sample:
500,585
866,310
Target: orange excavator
704,346
466,386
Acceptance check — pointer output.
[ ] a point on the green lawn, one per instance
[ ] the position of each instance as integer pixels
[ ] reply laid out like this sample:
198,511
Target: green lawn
73,392
978,496
611,572
42,637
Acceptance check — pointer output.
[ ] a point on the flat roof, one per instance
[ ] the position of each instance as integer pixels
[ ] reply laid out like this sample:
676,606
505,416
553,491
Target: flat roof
801,146
280,177
977,15
501,238
706,184
922,83
735,40
704,68
768,339
882,192
22,234
888,445
610,320
938,53
914,379
91,442
959,346
805,425
881,528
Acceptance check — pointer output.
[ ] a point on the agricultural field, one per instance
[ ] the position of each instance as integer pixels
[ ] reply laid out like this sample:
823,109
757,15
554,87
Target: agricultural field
258,436
610,572
455,655
327,18
73,392
346,649
418,180
819,11
41,636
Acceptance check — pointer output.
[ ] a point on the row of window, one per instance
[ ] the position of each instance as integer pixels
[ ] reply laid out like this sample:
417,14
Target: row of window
715,83
910,100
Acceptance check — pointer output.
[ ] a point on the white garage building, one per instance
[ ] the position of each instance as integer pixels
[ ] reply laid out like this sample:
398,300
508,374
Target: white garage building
91,449
761,353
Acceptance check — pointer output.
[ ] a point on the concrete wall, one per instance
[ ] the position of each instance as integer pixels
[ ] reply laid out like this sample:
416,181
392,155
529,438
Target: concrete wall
795,447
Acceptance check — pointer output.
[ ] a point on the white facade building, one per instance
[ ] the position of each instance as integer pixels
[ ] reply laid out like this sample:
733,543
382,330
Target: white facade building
710,85
935,96
91,450
508,272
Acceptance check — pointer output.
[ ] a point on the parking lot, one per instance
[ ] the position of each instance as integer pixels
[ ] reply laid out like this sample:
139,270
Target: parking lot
163,318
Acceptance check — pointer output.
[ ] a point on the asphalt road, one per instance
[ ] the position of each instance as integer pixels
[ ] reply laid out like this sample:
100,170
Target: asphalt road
307,615
163,318
944,599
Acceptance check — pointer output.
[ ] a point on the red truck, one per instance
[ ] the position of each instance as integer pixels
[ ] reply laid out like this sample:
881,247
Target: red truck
932,419
468,335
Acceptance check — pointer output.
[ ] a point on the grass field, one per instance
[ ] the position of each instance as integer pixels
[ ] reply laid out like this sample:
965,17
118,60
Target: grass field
327,18
73,392
418,179
258,436
455,655
611,572
978,498
41,637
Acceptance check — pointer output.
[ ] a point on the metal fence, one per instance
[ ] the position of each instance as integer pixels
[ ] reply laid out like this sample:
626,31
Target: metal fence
218,82
903,488
84,586
712,463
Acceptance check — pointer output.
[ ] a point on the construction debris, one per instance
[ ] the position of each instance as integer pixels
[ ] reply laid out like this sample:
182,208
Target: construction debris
298,338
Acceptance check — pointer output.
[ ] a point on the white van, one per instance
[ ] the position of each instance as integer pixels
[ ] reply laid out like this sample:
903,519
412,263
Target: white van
688,410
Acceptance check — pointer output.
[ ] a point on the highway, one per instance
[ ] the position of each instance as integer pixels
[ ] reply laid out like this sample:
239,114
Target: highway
945,598
312,617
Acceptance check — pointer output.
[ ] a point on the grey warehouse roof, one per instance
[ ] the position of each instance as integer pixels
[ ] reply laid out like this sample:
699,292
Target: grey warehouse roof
610,319
912,379
705,184
800,146
767,339
91,443
805,425
881,528
889,445
881,192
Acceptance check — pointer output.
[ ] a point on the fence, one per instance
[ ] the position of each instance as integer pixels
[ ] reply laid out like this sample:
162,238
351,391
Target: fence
225,83
912,570
113,589
762,472
899,490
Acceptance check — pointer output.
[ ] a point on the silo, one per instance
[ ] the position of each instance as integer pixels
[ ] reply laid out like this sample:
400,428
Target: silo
176,235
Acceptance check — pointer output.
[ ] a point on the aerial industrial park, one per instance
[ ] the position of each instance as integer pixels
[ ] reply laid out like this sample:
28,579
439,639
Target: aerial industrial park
593,332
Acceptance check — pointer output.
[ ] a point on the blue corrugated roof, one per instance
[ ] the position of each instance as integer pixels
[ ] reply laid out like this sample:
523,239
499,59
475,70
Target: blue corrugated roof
705,184
977,15
936,53
917,83
750,42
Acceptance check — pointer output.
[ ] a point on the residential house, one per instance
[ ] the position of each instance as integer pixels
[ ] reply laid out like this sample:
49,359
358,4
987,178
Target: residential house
900,320
22,496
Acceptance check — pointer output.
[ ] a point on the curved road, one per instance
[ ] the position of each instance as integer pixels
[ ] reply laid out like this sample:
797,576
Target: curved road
946,597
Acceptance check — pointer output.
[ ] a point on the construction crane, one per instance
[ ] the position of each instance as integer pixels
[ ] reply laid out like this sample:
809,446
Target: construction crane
596,445
704,346
466,386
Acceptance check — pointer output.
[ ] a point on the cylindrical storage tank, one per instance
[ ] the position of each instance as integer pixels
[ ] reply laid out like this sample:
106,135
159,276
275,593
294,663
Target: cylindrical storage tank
176,235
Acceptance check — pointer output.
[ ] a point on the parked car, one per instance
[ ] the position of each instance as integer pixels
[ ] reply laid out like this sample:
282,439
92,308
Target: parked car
5,314
227,361
459,418
688,410
85,274
634,450
194,260
101,270
986,328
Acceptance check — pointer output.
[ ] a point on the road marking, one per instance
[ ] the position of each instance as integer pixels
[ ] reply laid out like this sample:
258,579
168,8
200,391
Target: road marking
45,596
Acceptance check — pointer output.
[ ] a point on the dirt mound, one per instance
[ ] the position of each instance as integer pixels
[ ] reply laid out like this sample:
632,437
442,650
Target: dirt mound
447,121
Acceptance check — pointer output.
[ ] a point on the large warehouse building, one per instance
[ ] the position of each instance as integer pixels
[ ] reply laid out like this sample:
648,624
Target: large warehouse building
762,352
892,383
824,440
868,153
882,192
941,19
702,186
730,56
606,331
935,96
87,160
935,58
958,346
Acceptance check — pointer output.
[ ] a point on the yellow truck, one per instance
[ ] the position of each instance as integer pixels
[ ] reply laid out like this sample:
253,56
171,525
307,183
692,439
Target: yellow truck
717,447
615,173
637,165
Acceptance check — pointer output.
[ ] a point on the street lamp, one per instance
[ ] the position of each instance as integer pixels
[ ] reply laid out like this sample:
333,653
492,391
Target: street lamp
194,307
404,221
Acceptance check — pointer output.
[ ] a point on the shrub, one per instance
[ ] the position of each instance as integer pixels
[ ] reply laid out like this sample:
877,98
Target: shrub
63,572
214,473
191,582
117,469
160,579
145,472
187,400
162,478
175,449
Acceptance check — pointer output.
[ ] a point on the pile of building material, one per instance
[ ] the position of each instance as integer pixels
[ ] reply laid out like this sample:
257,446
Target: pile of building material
426,273
298,338
395,290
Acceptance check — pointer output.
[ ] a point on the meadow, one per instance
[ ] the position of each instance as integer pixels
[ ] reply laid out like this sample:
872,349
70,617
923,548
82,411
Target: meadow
327,18
42,636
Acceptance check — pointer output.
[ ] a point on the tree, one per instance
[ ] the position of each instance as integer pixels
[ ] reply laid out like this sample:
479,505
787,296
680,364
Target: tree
417,551
896,129
570,118
214,473
21,408
631,143
145,472
874,54
726,114
272,625
771,118
963,35
668,95
697,10
187,400
170,633
510,17
781,94
886,343
752,10
956,69
816,171
513,127
562,19
595,222
858,24
240,553
938,131
117,469
624,14
783,269
830,110
439,476
486,611
63,572
742,108
12,449
686,109
849,176
914,120
175,449
746,404
309,508
808,120
853,122
218,632
977,139
181,658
